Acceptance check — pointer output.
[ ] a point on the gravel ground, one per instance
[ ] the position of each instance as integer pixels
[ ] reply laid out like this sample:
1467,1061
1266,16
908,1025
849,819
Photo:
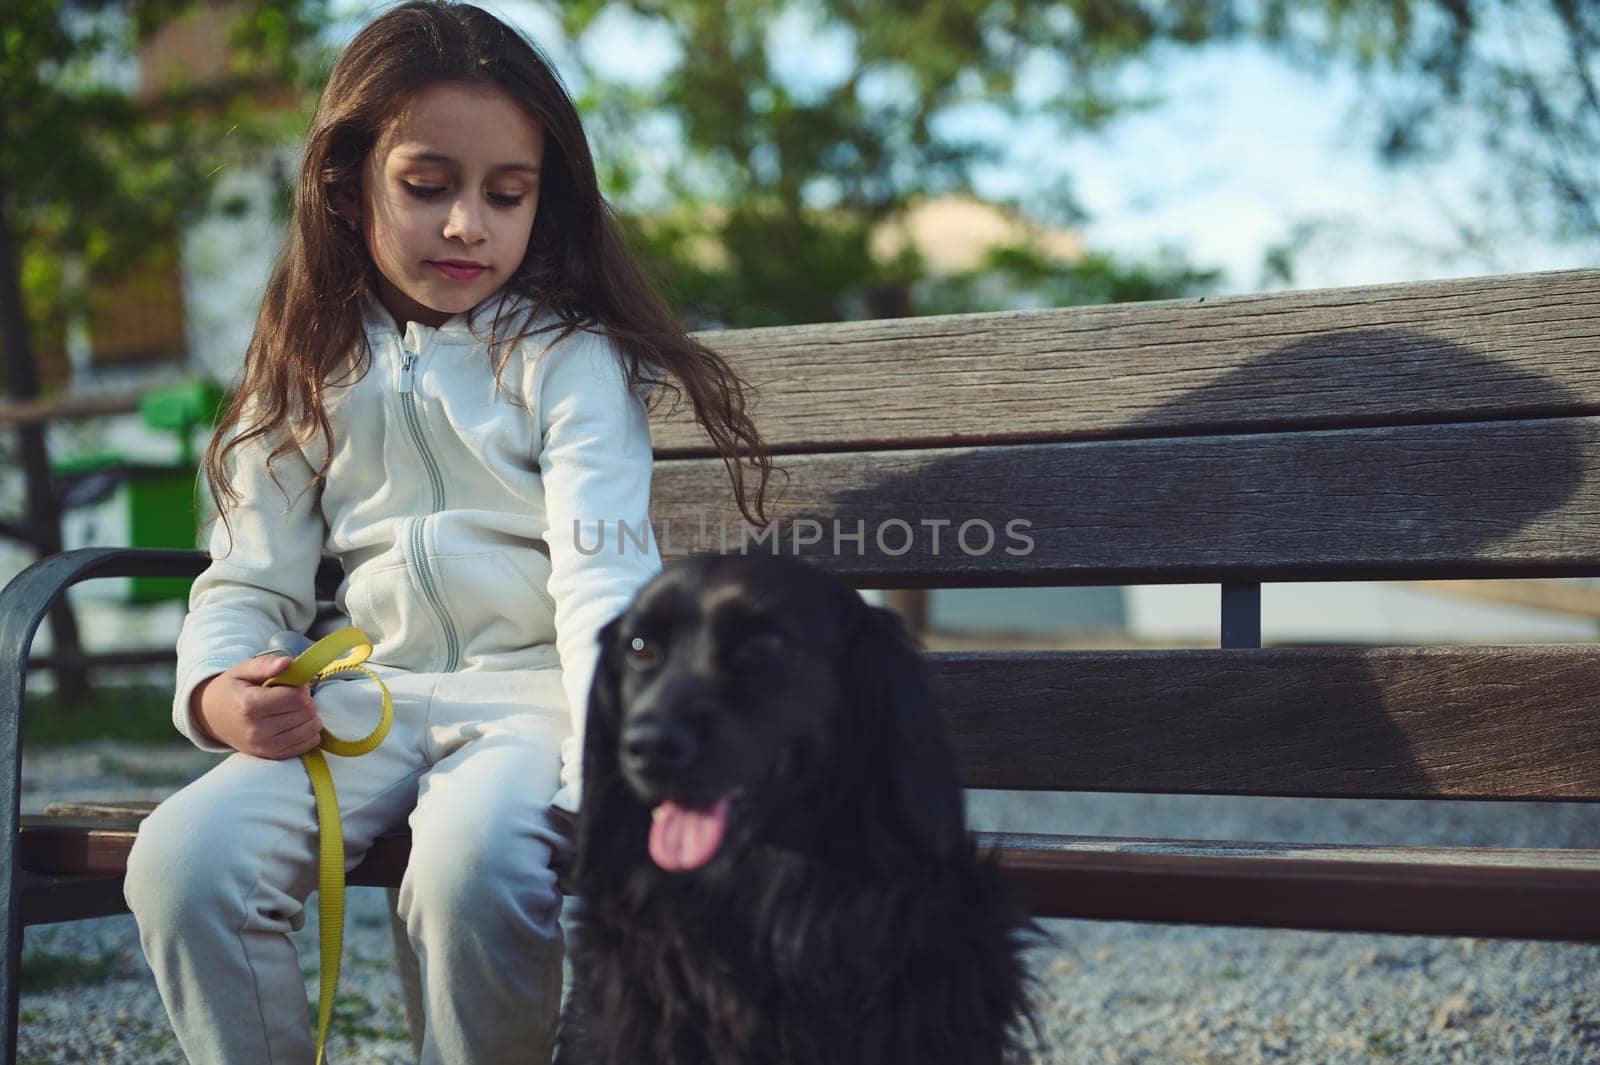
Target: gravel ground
1110,992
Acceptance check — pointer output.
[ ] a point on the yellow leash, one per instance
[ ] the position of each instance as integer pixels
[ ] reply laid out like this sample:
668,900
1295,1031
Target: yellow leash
339,652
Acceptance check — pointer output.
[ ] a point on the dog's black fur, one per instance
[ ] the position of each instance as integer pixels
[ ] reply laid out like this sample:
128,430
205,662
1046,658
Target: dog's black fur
845,918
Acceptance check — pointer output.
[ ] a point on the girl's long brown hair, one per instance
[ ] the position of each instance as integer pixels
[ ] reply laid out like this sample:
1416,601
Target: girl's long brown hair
577,267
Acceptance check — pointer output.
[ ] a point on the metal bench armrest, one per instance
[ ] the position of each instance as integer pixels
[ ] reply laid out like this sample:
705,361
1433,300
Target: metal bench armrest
23,604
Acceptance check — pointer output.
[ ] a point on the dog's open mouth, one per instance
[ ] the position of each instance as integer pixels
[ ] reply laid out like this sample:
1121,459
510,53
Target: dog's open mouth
687,837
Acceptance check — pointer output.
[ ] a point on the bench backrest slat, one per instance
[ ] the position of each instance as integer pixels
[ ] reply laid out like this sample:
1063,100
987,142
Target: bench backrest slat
1472,500
1473,349
1349,722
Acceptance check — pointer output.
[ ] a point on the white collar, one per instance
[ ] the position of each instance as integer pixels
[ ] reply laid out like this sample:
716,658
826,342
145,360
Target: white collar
508,305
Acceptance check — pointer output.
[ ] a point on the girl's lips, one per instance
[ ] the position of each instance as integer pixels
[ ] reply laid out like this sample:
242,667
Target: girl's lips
459,271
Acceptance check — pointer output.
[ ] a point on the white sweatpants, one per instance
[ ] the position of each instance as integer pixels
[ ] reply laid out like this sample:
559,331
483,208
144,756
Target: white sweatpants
219,874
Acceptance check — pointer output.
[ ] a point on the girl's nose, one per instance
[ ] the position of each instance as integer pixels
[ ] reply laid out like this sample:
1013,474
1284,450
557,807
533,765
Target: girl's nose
465,223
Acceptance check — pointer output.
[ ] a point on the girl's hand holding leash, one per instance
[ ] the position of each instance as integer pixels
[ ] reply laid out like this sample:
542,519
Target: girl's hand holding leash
233,708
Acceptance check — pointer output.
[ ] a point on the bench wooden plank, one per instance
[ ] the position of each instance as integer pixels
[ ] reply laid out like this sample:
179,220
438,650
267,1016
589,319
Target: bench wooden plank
1439,502
1534,894
1347,722
1464,723
1328,722
1472,349
101,810
80,842
51,899
1520,894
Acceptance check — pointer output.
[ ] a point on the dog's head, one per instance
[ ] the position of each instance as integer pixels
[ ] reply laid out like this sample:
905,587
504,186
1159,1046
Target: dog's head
742,701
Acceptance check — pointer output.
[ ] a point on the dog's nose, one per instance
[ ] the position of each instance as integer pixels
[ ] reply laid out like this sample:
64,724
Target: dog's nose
651,746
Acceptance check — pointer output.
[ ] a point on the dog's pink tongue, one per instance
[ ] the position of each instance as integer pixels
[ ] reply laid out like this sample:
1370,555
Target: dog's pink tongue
681,838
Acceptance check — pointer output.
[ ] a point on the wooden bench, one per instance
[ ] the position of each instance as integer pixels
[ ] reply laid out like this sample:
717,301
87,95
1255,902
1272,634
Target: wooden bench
1420,432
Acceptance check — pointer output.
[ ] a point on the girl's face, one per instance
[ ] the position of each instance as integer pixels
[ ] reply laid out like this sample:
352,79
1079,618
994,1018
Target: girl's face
448,196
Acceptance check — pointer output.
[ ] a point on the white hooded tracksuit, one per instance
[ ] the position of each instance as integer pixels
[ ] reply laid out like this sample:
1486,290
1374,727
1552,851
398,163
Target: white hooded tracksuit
479,533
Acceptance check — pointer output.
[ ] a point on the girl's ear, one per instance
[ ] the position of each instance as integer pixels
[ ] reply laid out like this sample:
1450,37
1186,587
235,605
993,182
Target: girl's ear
346,204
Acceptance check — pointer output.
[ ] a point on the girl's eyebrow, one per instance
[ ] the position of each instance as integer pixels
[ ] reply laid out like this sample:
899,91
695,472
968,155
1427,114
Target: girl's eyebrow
440,157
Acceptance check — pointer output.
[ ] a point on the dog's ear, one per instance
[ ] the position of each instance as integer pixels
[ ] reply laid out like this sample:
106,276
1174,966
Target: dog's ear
603,715
602,812
889,683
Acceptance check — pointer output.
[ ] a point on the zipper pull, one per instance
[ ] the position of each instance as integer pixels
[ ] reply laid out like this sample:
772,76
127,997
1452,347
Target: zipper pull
405,372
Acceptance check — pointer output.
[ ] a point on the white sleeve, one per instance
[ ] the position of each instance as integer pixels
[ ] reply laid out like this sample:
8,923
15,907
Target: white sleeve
262,577
595,461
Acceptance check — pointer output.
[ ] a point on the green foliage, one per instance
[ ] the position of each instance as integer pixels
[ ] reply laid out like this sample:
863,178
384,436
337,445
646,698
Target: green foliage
47,971
96,167
1384,1044
784,179
138,714
803,168
359,1020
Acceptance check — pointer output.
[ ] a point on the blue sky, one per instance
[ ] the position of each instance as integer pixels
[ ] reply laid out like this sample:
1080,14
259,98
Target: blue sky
1248,146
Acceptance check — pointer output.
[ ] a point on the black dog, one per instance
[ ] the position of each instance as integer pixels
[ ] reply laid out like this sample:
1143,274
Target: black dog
772,853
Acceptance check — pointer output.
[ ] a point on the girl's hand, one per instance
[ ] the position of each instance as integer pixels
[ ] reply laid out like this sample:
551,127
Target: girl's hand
233,708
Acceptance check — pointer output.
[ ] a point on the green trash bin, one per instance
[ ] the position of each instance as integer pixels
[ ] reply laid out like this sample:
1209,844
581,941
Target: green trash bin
108,500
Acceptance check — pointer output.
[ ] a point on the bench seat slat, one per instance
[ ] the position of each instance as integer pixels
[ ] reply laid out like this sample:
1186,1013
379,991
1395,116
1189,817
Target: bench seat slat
55,845
1444,891
1333,722
1436,502
1458,350
51,899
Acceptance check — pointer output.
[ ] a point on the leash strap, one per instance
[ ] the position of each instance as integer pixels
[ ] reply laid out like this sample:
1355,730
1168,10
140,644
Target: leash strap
338,652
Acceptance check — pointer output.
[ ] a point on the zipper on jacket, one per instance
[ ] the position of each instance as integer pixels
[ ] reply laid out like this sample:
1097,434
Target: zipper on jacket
452,646
408,404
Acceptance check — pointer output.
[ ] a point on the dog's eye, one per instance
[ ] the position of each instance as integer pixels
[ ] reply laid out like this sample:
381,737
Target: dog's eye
642,652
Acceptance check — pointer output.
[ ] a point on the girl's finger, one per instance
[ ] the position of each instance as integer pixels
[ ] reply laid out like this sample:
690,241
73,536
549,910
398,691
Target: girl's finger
262,667
284,726
265,703
293,742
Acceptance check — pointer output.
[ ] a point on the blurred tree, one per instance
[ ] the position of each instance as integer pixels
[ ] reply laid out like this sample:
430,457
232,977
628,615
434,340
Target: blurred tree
103,157
782,173
1515,80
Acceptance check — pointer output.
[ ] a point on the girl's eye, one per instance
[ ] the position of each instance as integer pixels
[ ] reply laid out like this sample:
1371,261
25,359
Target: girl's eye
423,192
505,201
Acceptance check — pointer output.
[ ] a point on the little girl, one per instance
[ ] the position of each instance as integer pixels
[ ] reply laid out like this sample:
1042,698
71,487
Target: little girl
445,390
